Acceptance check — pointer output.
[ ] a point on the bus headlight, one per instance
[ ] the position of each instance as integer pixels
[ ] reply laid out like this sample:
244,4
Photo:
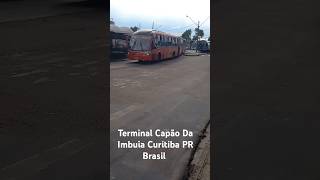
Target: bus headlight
147,53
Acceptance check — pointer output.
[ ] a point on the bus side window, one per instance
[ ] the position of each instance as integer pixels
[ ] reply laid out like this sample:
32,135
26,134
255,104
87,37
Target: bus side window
153,45
163,41
158,40
166,41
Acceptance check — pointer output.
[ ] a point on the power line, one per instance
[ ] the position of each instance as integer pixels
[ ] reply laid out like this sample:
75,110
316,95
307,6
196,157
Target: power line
205,20
192,20
198,28
179,28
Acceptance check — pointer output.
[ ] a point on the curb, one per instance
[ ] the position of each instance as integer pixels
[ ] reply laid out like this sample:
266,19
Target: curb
191,54
200,164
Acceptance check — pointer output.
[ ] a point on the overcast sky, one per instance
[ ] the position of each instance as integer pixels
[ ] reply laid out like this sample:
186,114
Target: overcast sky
168,15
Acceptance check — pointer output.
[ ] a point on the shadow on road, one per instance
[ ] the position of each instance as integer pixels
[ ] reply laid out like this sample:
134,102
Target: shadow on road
159,62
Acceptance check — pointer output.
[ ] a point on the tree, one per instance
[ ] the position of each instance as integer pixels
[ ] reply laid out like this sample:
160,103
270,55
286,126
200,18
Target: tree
134,29
194,38
187,35
198,32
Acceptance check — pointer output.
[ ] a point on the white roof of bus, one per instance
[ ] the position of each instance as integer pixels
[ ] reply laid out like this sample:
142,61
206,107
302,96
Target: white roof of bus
152,30
117,29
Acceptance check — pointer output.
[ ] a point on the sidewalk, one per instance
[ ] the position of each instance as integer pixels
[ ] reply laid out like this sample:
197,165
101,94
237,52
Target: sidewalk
200,165
193,53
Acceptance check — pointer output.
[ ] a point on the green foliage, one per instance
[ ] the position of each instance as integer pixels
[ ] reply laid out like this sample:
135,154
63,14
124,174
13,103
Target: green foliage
198,32
187,35
134,29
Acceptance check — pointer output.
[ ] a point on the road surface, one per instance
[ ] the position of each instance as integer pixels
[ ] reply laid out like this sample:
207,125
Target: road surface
172,94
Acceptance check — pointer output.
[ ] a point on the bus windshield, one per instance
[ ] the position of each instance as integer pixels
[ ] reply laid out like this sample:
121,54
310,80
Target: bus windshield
140,43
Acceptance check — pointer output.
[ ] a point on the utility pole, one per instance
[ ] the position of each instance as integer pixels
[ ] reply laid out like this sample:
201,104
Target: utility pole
152,24
197,33
198,36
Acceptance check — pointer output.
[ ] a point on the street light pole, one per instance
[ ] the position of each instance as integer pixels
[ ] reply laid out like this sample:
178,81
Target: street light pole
198,36
198,25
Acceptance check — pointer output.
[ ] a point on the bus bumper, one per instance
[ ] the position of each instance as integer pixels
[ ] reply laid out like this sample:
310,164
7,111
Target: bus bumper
140,56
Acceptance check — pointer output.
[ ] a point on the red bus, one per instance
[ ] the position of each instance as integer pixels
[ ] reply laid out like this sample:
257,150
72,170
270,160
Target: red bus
150,45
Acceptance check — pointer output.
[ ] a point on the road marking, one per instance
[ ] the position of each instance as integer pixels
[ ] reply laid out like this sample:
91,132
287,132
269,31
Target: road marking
40,161
41,80
115,67
119,114
29,73
122,83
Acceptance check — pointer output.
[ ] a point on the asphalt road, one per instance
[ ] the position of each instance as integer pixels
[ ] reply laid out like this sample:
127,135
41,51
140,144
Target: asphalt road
172,94
54,111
